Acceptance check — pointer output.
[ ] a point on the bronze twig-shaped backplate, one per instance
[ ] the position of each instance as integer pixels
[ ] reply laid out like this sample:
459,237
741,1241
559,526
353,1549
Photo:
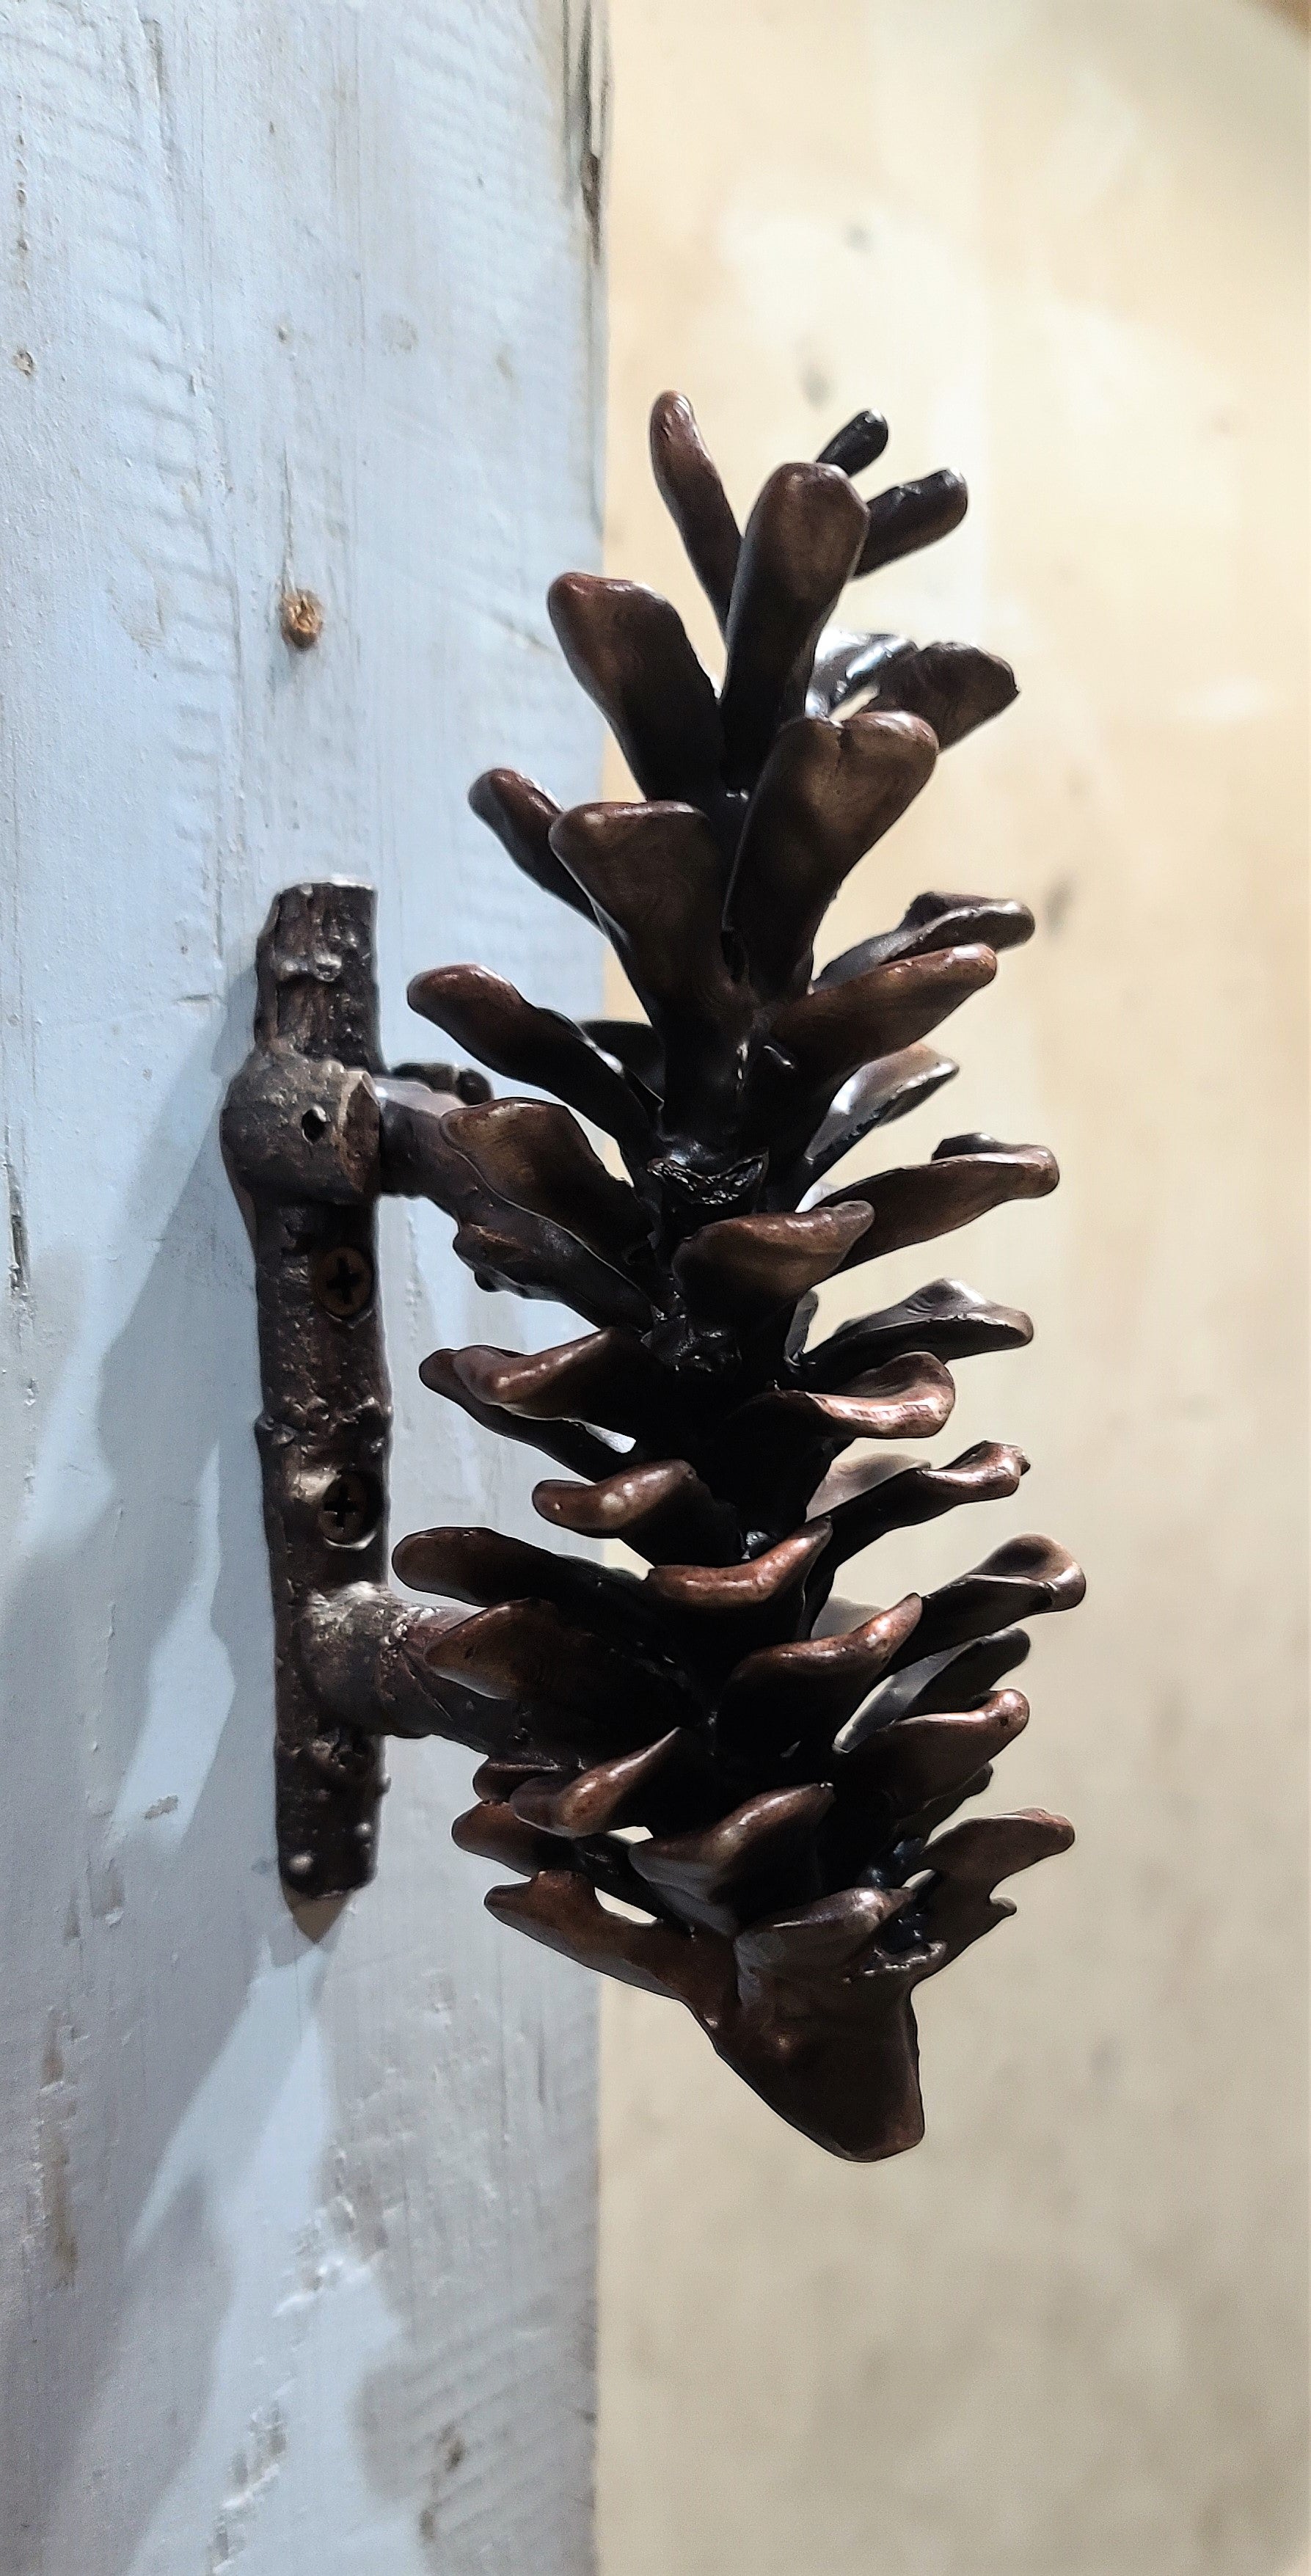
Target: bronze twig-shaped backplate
716,1778
304,1140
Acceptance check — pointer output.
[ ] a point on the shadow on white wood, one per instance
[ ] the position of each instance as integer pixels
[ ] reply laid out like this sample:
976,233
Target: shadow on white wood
295,2233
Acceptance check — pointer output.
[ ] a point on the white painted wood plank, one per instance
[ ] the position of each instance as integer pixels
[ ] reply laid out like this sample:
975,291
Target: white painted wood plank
295,2239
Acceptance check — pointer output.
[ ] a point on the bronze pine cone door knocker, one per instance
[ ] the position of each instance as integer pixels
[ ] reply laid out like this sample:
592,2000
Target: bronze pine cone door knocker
716,1780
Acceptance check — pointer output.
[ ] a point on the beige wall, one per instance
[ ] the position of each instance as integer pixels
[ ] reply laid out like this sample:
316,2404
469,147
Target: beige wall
1060,242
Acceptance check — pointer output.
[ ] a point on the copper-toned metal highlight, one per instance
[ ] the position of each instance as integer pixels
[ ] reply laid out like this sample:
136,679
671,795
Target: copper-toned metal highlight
715,1779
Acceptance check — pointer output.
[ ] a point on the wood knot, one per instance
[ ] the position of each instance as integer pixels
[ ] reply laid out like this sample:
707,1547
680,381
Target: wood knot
301,618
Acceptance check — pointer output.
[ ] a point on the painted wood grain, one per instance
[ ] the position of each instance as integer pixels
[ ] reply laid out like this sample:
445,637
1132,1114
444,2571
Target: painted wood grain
295,2234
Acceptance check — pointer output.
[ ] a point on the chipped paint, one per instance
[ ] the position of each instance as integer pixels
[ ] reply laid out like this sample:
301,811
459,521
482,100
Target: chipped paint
19,1263
587,110
56,2102
254,2470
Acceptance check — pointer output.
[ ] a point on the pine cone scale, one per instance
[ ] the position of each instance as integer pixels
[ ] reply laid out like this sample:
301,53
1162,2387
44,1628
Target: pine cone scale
717,1780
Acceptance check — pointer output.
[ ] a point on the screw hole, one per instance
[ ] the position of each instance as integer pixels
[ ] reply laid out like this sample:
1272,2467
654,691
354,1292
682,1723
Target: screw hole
314,1124
342,1281
350,1510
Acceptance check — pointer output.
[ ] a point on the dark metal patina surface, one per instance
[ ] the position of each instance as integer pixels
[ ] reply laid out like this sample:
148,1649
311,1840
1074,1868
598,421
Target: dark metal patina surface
303,1138
767,1778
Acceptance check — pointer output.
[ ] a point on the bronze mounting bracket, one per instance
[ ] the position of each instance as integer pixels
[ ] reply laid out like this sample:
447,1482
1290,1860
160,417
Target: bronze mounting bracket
305,1133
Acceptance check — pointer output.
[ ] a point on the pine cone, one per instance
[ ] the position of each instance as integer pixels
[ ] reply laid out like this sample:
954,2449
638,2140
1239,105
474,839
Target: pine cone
759,1772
